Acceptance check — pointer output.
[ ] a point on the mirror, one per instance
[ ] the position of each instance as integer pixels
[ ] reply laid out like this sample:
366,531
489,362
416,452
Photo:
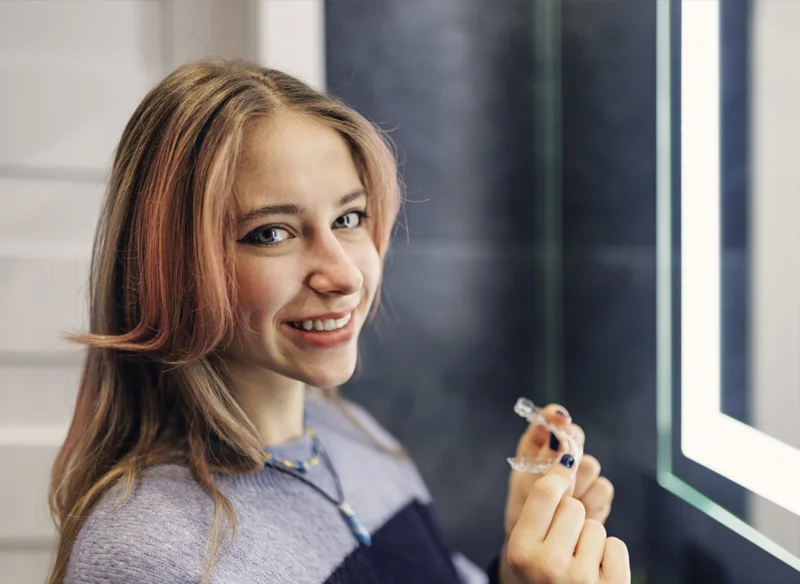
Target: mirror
729,280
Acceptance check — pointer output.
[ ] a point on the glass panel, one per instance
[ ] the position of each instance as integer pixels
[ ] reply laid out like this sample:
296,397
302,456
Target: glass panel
729,286
547,18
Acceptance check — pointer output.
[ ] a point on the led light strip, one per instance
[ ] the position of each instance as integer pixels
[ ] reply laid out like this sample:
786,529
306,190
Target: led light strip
735,450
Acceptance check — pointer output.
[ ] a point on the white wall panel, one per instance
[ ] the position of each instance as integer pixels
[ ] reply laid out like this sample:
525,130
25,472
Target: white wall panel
23,493
72,73
66,116
39,300
36,211
212,27
292,38
22,566
121,33
37,395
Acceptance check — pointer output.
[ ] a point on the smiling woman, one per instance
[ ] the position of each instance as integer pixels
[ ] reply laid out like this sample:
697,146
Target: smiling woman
238,256
307,266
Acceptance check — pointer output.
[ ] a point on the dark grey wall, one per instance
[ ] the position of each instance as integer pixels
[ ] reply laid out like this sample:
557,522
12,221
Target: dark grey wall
735,79
608,190
456,342
459,336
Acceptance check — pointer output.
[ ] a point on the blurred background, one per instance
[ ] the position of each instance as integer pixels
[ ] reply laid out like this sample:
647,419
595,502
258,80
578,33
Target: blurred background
601,208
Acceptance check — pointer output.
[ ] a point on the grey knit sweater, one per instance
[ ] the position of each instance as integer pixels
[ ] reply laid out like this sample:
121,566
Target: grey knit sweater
288,532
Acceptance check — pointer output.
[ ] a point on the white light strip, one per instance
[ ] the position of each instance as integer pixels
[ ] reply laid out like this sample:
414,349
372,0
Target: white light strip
758,462
700,233
747,456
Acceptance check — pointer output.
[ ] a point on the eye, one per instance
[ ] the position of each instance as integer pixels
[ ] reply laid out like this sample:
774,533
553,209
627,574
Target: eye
267,235
350,220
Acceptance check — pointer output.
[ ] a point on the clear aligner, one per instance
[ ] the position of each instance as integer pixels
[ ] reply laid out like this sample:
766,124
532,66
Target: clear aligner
525,408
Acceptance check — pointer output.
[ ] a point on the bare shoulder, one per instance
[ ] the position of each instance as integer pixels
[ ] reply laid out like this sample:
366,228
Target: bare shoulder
158,532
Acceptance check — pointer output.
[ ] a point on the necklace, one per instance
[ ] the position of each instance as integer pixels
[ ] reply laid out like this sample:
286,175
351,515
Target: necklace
300,465
296,470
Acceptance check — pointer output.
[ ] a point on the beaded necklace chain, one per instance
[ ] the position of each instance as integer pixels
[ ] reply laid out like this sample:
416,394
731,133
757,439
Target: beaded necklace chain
297,469
301,466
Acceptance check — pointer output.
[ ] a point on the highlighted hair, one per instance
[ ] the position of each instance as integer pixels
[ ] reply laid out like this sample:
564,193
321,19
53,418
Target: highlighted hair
162,292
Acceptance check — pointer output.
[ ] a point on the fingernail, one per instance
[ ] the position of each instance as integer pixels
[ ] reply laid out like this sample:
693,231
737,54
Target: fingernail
563,414
567,460
555,443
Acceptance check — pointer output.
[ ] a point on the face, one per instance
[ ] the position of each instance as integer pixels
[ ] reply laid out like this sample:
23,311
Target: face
306,265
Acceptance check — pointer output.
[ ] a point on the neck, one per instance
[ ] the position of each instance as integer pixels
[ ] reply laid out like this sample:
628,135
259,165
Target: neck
274,403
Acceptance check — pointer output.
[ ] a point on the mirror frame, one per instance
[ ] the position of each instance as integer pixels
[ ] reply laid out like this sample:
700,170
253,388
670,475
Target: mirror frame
752,459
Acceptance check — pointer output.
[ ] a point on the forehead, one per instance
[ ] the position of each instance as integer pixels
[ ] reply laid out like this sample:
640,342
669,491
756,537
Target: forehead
291,156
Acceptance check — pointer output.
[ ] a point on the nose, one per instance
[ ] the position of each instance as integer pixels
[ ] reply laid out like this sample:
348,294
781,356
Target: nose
333,269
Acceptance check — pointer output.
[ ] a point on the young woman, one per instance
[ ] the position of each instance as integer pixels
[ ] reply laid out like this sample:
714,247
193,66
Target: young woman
238,255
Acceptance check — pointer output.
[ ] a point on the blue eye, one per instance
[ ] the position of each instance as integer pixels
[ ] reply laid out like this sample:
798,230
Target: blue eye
350,220
268,235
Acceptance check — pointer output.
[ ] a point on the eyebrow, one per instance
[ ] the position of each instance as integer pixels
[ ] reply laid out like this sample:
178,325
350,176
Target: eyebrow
293,209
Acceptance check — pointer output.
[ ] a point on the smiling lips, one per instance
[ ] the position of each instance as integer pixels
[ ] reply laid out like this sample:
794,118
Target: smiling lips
324,333
327,325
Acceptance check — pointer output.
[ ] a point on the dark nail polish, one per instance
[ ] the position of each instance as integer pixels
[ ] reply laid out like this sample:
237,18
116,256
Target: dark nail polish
567,460
563,414
555,443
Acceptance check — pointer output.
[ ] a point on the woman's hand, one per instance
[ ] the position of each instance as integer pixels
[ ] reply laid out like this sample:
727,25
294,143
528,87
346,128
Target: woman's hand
552,541
594,491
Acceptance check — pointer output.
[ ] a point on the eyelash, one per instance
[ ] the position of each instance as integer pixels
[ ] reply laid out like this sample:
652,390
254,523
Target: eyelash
250,237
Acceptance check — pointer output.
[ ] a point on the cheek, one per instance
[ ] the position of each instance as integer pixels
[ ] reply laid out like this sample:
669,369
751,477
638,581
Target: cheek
370,266
260,291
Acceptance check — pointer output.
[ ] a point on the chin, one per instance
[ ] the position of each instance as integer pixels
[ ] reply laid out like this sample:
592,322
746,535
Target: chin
328,380
326,375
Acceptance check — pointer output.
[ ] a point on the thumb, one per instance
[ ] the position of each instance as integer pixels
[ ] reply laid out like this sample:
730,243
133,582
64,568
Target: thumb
565,468
540,507
561,475
532,464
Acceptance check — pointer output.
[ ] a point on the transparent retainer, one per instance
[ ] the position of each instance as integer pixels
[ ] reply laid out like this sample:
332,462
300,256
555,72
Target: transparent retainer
526,409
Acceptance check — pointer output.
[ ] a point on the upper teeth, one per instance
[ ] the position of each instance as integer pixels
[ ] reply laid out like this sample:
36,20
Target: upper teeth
323,325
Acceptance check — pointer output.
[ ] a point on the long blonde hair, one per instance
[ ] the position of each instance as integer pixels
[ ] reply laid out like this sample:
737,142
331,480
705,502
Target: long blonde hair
162,294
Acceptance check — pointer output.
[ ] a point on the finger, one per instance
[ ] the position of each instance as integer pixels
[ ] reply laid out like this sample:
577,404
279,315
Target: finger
598,498
531,442
566,526
588,473
578,434
540,506
536,437
558,441
599,515
616,566
590,549
556,414
542,436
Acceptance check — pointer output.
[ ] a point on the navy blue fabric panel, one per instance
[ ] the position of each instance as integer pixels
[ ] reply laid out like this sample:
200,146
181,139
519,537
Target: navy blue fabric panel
408,548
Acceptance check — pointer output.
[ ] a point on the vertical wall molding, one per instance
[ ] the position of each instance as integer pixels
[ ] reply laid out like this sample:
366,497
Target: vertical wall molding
291,37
